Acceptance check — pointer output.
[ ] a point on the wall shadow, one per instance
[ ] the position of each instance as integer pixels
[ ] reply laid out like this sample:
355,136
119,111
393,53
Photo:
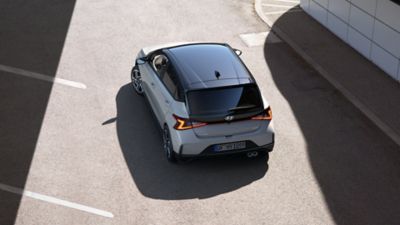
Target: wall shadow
140,140
357,167
32,35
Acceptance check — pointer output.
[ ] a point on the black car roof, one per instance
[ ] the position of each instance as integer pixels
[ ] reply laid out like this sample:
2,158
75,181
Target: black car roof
208,65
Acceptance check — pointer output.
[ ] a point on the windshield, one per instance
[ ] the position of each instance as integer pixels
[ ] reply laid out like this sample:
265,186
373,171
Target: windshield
224,101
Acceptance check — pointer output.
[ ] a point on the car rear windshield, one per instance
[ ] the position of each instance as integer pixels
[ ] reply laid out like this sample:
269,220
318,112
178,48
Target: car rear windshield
225,101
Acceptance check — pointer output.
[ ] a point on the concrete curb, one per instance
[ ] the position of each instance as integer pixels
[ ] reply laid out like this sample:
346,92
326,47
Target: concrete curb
346,93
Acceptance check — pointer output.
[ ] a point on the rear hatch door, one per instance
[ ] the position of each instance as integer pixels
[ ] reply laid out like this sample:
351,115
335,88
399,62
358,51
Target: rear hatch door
226,110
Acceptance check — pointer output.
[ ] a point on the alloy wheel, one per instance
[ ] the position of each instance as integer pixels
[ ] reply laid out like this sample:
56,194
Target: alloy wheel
136,80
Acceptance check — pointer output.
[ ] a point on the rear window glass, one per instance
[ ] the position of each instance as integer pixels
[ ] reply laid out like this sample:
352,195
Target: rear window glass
230,100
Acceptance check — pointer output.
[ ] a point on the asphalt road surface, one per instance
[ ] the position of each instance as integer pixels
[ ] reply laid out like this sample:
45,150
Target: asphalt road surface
89,151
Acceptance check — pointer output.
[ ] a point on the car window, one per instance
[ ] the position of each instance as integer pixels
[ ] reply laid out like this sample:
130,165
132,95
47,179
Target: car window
169,83
167,74
225,101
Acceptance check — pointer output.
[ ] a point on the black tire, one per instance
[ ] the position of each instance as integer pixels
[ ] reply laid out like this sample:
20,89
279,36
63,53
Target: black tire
167,146
136,81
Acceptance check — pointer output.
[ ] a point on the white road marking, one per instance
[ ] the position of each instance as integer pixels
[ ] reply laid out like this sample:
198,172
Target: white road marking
279,12
56,201
278,6
257,39
290,1
39,76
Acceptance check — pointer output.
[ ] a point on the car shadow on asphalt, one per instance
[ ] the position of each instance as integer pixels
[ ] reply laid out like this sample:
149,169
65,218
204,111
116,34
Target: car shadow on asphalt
32,36
140,139
355,164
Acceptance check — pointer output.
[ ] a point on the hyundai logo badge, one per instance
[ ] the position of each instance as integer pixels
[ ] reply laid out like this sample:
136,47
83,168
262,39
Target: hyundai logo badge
229,118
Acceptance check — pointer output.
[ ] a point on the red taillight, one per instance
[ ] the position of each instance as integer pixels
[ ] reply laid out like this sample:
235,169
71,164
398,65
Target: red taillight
266,115
185,124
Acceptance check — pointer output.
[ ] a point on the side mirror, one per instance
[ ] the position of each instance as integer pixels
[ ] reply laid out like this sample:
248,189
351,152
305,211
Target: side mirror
140,61
237,51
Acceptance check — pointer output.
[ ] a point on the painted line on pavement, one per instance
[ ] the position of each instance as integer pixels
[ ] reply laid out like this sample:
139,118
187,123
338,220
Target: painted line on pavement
56,201
39,76
258,39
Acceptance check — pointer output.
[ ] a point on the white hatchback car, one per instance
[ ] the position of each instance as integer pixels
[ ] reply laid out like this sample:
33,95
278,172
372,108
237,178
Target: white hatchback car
205,100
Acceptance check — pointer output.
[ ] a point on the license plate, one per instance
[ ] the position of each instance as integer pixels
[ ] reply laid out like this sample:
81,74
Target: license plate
230,146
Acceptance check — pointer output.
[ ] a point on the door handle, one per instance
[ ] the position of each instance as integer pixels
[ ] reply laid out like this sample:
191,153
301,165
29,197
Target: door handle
152,84
166,101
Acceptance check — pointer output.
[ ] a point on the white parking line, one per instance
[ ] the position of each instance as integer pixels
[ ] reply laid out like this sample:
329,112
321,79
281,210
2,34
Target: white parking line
39,76
278,6
56,201
258,39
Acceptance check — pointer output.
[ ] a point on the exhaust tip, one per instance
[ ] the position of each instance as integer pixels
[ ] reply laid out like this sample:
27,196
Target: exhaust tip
252,154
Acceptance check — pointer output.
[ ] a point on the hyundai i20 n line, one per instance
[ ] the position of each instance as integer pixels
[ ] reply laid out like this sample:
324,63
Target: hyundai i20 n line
205,100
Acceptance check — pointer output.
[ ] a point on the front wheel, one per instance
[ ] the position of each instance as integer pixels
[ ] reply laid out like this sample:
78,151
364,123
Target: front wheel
136,80
167,146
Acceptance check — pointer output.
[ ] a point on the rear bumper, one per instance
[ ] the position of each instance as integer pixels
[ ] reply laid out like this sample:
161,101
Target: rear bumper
208,153
186,143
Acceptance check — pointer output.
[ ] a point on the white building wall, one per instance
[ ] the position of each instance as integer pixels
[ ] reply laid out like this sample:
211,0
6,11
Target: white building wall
372,27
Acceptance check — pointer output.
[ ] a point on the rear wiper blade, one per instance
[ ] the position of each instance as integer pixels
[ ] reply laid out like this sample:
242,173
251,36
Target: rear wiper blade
241,107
